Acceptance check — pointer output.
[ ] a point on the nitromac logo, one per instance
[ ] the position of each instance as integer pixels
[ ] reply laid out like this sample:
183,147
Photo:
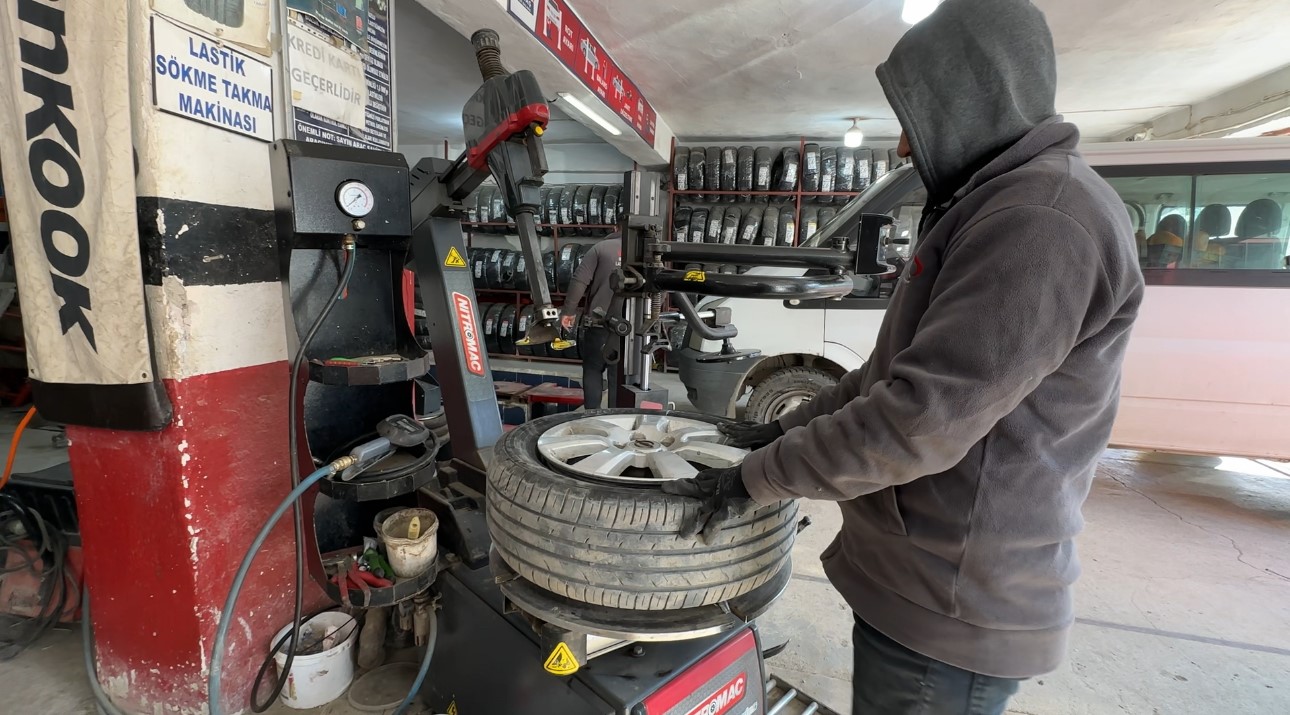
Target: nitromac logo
730,695
469,328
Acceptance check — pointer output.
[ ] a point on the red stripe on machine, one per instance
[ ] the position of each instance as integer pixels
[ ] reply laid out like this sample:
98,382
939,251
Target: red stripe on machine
700,675
469,329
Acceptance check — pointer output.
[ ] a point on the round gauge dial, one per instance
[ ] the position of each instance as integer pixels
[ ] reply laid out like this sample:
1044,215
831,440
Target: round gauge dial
355,198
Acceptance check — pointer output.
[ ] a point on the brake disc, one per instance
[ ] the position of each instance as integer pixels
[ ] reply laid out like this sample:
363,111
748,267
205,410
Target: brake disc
744,176
681,224
730,225
751,226
715,217
811,168
698,224
787,226
769,226
828,172
785,170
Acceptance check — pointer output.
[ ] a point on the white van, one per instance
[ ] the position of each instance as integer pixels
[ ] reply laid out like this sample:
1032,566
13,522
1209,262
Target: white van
1208,367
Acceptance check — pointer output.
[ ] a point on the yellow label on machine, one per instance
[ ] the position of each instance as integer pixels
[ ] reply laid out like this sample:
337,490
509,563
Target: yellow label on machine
696,276
561,661
452,708
454,259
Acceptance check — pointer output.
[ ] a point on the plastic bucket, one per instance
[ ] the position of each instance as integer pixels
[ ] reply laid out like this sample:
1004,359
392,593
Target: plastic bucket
410,557
319,678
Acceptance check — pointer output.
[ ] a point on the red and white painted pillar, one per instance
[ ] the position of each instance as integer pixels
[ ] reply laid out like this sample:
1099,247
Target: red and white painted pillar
166,516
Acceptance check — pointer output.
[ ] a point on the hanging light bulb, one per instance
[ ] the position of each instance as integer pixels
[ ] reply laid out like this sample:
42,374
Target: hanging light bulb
854,136
917,10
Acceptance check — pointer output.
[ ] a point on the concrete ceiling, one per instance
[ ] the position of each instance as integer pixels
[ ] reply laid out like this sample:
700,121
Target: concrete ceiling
437,73
767,68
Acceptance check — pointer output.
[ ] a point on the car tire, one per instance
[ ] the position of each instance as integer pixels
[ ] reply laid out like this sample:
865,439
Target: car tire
811,168
716,217
784,391
491,317
681,170
769,226
506,330
698,170
681,224
698,224
746,172
612,206
785,171
763,162
750,229
729,172
787,227
712,171
730,224
828,173
621,546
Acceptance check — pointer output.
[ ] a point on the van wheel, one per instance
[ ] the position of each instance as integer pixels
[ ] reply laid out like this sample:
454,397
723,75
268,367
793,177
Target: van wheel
785,391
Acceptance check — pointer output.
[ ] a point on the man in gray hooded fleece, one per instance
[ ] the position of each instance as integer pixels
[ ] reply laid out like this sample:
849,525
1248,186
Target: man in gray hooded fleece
963,450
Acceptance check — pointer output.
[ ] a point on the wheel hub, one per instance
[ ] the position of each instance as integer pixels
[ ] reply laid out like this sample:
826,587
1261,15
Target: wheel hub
637,448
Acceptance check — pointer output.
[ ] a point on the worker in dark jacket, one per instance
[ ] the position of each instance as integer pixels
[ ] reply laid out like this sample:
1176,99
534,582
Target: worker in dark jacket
592,279
961,453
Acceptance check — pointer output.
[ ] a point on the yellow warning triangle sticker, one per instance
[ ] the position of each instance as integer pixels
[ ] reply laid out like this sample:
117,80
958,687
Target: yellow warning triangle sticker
561,661
454,259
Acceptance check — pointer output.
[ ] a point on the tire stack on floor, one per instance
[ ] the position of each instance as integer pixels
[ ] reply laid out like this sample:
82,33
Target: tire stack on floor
760,188
581,211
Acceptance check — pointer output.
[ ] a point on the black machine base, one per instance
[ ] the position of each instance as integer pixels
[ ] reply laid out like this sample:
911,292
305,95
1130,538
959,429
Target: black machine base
489,661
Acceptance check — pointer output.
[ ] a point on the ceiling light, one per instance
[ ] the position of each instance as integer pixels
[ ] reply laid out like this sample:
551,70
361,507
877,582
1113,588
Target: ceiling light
854,136
918,10
588,113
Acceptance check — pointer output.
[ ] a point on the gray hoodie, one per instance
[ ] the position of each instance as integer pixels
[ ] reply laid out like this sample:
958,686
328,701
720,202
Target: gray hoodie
964,449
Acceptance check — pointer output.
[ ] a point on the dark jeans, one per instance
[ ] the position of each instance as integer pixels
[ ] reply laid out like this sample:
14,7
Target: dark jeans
592,349
891,679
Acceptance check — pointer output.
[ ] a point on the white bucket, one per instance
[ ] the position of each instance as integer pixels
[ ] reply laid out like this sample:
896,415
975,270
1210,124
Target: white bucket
410,557
319,678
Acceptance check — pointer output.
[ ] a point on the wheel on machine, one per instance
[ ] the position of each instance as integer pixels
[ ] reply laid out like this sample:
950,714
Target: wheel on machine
785,391
576,515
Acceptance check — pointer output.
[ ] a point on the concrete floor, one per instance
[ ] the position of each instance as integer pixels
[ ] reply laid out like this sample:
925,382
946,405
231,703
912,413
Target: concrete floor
1184,605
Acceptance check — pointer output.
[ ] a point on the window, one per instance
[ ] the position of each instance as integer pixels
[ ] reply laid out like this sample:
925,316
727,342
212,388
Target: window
1241,221
1209,221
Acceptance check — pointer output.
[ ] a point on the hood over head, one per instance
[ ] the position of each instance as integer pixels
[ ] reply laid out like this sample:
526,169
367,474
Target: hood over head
968,82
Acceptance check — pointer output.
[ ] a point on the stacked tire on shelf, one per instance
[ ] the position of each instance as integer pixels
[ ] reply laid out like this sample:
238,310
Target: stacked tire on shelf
764,186
578,209
581,211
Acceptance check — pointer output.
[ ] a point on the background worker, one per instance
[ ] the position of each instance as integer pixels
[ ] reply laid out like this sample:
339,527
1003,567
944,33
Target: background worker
592,279
962,452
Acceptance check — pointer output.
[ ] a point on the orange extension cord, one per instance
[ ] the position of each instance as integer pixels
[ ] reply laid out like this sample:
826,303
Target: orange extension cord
13,445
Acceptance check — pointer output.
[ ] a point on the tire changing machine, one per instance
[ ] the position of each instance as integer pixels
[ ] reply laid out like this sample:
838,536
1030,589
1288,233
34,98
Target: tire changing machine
504,645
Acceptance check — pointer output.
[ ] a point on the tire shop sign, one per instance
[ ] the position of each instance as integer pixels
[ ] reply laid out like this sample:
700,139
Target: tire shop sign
69,172
561,31
199,79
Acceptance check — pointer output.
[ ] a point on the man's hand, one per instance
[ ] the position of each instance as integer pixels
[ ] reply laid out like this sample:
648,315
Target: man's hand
750,435
567,322
724,498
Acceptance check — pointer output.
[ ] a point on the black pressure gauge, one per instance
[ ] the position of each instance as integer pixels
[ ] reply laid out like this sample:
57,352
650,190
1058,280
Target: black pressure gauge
355,198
